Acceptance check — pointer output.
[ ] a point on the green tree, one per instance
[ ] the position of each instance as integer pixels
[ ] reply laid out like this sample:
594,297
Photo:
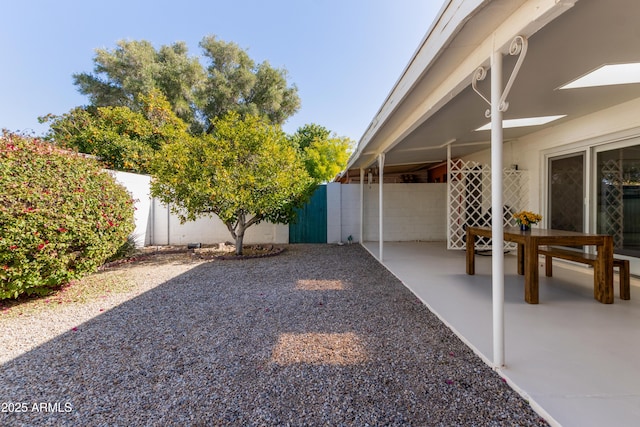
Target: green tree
236,83
229,81
324,155
121,138
136,67
245,172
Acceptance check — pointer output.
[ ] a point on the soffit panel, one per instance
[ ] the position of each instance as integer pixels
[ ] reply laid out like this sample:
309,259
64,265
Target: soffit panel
585,37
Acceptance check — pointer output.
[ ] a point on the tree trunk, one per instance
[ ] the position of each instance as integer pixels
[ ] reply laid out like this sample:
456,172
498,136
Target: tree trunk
240,228
239,238
237,230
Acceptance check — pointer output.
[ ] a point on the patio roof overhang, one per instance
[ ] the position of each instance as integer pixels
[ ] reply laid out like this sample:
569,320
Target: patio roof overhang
433,106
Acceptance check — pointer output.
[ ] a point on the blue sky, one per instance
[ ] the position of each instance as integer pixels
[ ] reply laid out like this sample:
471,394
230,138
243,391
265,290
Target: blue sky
343,55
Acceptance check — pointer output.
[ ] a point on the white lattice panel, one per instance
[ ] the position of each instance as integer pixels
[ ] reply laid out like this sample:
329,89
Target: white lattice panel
469,189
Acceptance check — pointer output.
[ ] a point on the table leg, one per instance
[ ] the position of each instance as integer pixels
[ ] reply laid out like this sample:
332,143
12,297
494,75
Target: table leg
603,272
531,271
520,259
471,246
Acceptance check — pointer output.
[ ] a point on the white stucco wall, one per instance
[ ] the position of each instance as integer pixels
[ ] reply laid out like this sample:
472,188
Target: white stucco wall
412,212
166,229
529,153
138,186
618,123
156,226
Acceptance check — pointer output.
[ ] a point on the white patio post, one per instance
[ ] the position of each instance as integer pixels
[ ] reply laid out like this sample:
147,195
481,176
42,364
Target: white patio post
498,105
497,231
361,206
380,204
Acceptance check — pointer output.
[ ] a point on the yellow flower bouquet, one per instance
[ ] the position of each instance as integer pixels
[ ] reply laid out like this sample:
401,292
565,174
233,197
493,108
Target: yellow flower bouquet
527,218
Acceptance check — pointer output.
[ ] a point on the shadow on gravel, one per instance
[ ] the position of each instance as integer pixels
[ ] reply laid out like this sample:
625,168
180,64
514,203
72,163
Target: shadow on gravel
319,335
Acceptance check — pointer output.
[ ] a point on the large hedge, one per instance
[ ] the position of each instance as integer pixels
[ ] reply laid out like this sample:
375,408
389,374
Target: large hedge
61,216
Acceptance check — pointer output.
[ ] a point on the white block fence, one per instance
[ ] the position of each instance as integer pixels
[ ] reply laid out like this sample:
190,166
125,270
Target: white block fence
411,212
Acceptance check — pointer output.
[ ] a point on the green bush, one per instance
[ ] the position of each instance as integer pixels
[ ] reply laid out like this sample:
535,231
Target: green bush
61,216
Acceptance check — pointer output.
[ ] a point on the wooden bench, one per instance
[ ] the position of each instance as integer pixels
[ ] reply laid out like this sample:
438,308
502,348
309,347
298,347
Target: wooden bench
551,252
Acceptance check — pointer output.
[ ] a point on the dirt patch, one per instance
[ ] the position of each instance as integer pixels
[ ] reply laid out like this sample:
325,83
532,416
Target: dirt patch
189,253
229,252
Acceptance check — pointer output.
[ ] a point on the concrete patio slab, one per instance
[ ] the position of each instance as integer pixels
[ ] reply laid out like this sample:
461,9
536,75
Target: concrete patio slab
573,357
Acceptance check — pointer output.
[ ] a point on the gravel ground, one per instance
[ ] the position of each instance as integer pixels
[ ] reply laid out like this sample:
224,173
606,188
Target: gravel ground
319,335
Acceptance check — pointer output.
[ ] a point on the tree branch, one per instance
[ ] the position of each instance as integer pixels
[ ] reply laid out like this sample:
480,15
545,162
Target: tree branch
254,220
232,229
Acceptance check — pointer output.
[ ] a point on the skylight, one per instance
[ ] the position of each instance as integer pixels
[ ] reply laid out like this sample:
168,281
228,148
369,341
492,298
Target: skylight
527,121
611,74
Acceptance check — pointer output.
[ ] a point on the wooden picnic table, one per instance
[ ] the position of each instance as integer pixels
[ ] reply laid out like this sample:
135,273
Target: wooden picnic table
528,244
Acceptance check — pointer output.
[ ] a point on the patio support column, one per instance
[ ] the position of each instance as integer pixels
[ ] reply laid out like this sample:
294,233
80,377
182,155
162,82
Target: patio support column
361,206
498,105
380,204
497,231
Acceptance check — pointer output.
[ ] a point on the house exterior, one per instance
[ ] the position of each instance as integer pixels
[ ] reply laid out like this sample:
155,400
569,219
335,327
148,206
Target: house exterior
576,142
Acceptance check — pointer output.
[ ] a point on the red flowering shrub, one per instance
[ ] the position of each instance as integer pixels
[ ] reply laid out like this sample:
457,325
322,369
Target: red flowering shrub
61,216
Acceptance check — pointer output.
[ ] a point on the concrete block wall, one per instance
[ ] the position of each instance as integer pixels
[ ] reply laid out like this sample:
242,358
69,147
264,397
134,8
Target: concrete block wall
334,212
350,212
155,225
411,212
343,212
165,229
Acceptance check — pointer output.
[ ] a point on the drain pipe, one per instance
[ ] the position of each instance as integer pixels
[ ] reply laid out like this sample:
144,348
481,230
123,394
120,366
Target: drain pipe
168,224
361,206
152,226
